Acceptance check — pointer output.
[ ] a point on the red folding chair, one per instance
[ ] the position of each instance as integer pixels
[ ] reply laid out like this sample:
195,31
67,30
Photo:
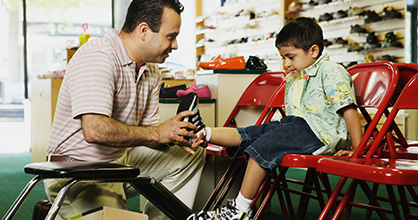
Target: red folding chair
258,93
406,72
374,85
389,171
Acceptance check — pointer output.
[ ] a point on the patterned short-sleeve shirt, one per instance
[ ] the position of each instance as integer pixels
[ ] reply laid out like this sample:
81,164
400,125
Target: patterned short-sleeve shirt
328,87
101,79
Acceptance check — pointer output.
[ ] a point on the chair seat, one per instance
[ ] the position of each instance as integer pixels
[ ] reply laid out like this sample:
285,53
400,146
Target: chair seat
378,170
303,160
79,169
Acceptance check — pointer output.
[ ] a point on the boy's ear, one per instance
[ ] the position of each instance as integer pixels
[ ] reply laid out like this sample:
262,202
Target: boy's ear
314,51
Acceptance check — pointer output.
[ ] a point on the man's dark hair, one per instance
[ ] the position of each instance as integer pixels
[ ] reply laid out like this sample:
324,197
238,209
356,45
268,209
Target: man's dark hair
150,12
301,33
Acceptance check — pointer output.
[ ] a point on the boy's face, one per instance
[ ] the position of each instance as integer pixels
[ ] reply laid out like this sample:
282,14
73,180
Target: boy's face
296,59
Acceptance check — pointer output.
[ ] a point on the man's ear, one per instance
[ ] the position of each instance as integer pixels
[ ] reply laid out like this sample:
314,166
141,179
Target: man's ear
142,30
314,51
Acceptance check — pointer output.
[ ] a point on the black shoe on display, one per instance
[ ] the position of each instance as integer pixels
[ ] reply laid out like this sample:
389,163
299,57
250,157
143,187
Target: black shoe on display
358,29
325,17
372,16
391,40
190,102
390,13
371,41
255,63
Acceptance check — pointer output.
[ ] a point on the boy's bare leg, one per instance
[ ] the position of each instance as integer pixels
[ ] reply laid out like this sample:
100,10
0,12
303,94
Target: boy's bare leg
253,178
224,136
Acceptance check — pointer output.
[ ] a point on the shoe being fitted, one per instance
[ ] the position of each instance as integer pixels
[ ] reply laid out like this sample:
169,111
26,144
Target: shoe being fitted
190,102
229,212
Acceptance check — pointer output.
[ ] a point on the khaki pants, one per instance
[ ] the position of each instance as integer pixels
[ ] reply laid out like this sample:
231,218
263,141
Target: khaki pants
176,169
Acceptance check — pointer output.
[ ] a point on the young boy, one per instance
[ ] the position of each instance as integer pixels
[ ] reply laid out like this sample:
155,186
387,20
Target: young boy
321,116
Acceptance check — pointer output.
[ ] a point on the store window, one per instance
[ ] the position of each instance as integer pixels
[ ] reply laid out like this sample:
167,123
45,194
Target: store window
51,27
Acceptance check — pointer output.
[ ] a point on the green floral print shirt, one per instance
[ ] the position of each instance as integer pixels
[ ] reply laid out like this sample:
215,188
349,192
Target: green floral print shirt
327,88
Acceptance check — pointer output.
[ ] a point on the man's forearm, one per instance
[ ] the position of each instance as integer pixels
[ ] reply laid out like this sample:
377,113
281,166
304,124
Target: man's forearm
101,129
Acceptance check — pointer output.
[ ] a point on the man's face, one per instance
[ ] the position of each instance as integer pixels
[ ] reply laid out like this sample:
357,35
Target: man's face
160,44
296,59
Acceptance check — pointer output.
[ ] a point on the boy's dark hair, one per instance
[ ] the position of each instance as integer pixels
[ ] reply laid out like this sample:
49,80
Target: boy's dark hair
301,33
150,12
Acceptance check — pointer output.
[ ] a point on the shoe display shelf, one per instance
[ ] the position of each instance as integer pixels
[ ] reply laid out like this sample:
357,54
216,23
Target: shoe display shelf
354,50
246,28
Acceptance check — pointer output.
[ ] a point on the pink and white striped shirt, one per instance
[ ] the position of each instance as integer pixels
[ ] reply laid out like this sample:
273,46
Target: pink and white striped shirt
101,79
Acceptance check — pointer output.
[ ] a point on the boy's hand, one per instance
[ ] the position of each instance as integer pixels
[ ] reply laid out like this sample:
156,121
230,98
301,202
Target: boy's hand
344,153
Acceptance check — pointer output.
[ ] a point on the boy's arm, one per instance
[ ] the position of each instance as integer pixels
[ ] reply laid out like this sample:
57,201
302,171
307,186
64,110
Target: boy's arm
352,120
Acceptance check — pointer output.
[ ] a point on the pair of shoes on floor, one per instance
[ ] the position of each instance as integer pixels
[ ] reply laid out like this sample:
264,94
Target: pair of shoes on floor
202,92
190,102
228,212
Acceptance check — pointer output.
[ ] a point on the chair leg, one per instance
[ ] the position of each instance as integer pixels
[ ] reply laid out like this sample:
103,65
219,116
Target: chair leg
372,195
56,205
304,198
333,198
230,173
404,202
393,202
412,193
268,196
347,196
22,197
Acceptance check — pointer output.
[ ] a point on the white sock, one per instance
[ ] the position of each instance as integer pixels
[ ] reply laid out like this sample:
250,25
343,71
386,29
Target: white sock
243,204
208,133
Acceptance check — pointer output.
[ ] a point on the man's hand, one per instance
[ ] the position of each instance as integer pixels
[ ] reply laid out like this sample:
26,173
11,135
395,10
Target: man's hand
174,130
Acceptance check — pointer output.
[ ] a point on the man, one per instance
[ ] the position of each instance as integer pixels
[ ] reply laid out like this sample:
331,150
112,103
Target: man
107,110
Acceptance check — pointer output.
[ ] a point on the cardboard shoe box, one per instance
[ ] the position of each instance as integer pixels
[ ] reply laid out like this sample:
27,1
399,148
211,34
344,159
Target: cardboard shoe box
108,213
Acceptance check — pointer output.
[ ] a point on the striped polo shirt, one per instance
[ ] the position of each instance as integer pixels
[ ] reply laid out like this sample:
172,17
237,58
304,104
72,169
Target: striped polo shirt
101,79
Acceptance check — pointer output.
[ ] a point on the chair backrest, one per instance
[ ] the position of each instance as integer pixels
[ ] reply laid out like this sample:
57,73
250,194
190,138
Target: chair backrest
258,93
406,100
275,104
374,85
406,72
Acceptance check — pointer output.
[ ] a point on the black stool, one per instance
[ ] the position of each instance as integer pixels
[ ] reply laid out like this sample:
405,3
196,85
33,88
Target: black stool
77,171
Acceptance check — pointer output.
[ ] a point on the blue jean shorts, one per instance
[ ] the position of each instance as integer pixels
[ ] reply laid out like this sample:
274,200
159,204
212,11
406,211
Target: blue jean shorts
268,143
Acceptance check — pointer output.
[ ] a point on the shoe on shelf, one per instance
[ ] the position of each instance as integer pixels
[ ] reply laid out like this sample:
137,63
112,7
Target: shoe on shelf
228,63
354,11
372,16
191,102
340,40
340,14
388,58
228,212
358,29
371,41
354,46
391,40
170,91
325,17
255,63
202,92
389,13
369,59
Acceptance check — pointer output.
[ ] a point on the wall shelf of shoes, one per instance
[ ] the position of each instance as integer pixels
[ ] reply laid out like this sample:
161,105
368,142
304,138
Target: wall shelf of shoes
241,28
358,31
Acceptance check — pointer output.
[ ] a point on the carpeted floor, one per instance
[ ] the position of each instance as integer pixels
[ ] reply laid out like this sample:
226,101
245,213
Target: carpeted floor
13,179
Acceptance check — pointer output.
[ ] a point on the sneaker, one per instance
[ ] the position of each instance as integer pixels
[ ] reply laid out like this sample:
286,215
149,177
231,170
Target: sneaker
190,102
229,212
202,215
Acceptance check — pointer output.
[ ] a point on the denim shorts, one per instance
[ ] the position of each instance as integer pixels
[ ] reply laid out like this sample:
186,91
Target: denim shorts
268,143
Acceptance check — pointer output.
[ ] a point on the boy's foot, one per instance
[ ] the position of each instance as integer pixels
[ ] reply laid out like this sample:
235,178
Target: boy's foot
228,212
190,102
